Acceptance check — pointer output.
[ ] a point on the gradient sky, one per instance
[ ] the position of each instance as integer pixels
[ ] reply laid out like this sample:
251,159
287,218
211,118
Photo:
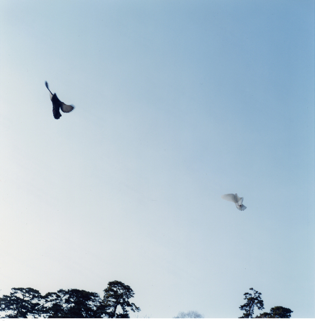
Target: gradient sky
177,103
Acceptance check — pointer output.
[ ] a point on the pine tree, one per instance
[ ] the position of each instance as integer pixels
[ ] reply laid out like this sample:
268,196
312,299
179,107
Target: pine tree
252,301
117,294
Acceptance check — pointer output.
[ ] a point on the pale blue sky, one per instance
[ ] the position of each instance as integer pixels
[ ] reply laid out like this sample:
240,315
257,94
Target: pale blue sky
177,103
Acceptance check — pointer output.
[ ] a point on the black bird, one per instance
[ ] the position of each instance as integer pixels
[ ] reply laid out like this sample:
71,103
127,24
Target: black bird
58,104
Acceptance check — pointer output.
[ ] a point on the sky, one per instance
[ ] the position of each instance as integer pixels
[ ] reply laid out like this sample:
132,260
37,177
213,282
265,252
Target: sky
176,103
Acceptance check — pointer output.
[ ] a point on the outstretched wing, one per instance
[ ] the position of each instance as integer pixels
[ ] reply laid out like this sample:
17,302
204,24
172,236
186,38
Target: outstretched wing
229,197
66,108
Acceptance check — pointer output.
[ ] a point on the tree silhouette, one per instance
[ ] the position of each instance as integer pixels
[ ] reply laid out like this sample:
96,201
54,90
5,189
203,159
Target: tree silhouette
21,303
252,301
117,294
255,300
277,312
73,303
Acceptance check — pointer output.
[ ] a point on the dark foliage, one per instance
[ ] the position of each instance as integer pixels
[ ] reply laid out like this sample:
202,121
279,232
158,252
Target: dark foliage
255,300
252,301
73,303
117,294
277,312
21,303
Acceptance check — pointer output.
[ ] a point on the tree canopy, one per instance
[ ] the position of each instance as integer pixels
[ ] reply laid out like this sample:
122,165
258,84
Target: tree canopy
277,312
117,294
254,300
21,303
72,303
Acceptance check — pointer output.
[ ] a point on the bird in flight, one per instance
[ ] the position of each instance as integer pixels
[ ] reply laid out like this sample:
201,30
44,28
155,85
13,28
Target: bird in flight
235,199
58,104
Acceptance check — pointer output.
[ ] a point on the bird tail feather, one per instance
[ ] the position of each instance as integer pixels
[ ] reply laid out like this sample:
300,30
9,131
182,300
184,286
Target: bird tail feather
46,84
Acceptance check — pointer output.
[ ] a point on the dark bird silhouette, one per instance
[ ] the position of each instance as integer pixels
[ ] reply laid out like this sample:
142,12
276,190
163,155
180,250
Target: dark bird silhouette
58,104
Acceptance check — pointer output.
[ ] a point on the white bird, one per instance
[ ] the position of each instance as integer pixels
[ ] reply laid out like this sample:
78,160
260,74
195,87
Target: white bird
235,199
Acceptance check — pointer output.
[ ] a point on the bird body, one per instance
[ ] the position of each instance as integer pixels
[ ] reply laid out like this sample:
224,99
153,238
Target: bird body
238,201
58,104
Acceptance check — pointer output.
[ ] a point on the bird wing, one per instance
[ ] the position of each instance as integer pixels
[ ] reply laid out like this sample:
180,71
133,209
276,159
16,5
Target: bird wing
66,108
230,197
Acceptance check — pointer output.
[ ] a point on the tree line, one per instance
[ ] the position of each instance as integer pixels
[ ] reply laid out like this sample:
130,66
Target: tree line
73,303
